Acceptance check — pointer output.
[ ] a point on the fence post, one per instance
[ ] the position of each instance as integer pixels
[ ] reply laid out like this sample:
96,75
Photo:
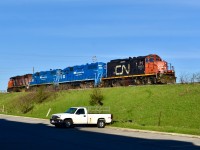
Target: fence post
48,112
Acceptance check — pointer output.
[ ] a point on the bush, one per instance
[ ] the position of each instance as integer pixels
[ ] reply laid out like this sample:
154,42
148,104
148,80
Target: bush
26,103
41,95
96,97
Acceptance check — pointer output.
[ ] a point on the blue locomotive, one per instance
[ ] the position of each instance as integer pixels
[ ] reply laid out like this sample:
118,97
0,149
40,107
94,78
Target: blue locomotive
87,75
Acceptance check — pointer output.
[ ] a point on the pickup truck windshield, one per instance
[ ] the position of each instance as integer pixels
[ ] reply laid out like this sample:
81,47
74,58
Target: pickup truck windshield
71,110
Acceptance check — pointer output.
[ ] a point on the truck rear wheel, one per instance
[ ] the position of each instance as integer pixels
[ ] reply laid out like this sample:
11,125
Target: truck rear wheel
68,123
101,124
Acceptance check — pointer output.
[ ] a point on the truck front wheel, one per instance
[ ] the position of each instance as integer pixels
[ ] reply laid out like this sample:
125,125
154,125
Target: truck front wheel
68,123
101,124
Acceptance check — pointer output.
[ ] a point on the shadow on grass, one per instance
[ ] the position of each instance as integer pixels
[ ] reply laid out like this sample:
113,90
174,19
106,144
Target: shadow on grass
19,136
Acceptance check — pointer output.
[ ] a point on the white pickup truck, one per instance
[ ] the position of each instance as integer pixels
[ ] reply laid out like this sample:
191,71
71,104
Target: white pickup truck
80,115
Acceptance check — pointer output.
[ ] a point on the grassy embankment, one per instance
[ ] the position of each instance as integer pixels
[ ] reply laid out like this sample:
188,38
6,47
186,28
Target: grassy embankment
169,108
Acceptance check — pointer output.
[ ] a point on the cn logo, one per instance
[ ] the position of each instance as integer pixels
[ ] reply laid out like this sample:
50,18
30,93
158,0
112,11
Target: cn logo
120,69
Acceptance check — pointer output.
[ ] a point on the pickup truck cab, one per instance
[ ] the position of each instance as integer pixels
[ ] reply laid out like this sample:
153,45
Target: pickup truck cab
80,115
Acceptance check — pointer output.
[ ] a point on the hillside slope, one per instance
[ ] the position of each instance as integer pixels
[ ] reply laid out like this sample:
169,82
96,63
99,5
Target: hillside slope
170,108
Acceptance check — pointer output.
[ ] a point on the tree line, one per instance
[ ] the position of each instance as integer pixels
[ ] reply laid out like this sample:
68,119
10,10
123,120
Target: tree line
189,78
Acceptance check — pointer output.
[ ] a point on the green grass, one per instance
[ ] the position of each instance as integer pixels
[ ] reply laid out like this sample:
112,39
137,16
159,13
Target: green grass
168,108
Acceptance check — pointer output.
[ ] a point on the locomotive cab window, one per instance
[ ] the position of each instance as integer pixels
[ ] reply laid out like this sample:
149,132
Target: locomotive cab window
151,59
158,58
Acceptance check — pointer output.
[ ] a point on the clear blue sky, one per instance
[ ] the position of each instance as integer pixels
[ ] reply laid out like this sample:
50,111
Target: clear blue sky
50,34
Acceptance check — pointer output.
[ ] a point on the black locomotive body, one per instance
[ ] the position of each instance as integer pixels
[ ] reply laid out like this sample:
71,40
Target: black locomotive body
126,67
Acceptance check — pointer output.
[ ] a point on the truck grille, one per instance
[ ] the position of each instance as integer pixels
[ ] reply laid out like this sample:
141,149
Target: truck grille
54,117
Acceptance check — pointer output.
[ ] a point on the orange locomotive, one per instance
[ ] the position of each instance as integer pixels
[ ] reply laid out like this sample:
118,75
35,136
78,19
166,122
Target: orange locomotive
19,83
150,69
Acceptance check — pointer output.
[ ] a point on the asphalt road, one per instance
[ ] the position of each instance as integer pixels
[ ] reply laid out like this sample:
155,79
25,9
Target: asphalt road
37,134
